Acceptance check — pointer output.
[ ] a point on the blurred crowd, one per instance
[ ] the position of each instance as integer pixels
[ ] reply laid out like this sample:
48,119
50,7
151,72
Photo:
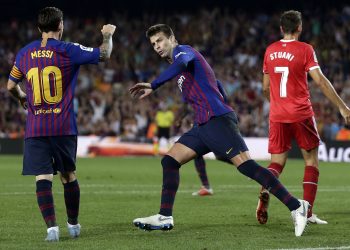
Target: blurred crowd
233,43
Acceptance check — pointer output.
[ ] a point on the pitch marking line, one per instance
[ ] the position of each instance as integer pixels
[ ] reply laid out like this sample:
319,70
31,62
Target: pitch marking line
318,248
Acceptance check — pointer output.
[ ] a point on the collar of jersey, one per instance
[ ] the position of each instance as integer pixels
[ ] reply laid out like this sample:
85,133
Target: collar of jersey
287,41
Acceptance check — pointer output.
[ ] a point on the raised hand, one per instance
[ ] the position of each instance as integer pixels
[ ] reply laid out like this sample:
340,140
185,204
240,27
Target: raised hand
108,29
24,103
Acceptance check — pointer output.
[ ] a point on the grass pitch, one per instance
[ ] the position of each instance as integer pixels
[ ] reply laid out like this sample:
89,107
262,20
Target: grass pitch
114,191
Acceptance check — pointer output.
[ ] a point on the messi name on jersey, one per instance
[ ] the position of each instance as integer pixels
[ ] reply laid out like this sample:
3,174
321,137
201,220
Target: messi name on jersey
283,55
41,53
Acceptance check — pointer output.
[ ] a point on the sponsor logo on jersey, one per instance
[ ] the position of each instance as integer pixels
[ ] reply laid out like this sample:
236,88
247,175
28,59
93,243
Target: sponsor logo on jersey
83,47
180,82
179,54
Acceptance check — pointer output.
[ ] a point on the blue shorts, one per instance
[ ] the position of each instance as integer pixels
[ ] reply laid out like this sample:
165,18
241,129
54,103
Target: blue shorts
219,135
49,154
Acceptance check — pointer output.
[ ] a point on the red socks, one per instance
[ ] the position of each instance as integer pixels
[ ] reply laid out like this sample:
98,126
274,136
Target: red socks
275,168
310,186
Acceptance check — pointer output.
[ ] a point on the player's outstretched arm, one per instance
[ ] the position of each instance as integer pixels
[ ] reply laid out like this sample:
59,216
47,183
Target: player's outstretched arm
17,92
107,44
327,88
141,90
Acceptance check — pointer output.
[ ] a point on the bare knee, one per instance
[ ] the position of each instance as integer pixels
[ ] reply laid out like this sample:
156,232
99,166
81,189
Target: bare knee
181,153
48,177
67,177
312,162
310,157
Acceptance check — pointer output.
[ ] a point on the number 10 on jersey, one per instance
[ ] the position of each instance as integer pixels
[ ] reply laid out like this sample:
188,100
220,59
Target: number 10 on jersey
40,81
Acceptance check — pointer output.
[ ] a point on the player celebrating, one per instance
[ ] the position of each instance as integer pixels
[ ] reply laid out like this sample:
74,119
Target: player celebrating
286,64
199,161
49,68
216,129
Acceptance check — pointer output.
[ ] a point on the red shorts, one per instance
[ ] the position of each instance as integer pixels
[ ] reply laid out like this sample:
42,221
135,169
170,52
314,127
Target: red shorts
304,132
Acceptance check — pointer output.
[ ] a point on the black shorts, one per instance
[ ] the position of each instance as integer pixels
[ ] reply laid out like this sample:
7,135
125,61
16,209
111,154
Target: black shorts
219,135
49,154
163,132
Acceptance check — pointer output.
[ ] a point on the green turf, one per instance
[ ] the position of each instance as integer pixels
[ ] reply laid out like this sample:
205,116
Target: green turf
114,191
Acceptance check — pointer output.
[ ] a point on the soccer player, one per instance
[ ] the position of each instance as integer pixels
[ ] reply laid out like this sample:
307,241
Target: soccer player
286,64
49,69
216,129
199,161
200,166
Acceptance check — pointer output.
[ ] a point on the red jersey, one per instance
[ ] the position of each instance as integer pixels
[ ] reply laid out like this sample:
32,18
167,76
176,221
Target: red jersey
287,63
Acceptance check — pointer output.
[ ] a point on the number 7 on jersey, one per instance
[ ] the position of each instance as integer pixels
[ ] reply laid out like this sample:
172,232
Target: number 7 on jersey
284,79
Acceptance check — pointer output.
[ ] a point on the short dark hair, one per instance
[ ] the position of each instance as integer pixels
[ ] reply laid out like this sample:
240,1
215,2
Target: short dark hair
155,29
49,19
290,20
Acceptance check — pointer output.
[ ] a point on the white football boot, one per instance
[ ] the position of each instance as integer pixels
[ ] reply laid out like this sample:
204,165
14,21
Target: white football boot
155,222
74,230
299,217
313,219
53,234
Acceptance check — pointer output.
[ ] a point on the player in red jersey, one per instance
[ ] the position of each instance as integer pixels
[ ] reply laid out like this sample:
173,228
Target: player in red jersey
49,68
286,64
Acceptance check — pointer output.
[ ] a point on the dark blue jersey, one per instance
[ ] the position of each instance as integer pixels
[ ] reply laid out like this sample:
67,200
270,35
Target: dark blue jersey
197,83
222,91
50,73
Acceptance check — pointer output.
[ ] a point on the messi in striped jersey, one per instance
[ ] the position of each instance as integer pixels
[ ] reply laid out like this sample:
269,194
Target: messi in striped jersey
49,69
216,129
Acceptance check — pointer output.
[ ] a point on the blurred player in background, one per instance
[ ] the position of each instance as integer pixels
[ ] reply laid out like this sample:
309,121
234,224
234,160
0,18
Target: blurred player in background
201,169
216,129
49,69
285,68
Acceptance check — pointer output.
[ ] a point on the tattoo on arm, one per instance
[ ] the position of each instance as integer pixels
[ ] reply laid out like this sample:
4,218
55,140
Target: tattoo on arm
106,47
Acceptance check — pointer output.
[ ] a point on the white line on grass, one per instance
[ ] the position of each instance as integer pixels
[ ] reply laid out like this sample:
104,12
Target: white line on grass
218,187
155,189
318,248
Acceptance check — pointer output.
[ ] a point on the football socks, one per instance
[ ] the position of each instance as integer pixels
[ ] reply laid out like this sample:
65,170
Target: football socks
72,199
45,201
171,180
275,168
200,167
310,186
263,176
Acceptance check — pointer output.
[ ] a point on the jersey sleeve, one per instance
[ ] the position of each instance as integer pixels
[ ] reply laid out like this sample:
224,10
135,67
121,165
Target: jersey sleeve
181,60
222,91
265,71
16,75
80,54
310,59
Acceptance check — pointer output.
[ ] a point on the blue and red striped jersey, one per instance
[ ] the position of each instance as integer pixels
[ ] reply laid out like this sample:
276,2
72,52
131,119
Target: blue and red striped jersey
49,70
197,83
